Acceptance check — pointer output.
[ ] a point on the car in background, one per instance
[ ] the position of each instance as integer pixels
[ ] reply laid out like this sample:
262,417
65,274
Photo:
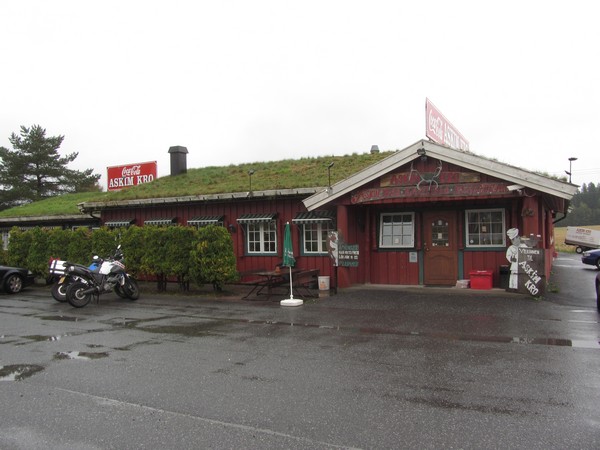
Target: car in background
591,257
14,279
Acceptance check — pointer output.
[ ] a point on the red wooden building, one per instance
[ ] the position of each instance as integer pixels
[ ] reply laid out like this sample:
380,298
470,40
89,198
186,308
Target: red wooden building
426,215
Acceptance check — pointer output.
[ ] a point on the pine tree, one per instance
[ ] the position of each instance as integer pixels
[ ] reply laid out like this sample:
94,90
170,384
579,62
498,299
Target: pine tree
34,170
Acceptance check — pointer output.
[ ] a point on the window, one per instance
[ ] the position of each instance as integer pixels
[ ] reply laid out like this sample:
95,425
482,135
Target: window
315,227
315,236
261,237
397,230
485,228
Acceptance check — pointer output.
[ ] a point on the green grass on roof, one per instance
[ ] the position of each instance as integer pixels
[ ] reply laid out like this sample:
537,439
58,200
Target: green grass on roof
285,174
60,205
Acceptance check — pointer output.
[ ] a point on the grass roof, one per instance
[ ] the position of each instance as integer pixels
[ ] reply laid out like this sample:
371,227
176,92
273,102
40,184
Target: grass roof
285,174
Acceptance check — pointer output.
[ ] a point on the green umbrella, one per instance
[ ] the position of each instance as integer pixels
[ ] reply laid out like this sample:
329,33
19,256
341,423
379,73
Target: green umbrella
289,261
288,250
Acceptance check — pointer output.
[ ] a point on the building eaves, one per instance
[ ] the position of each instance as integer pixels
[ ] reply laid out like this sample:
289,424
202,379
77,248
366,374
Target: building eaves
7,221
89,207
460,158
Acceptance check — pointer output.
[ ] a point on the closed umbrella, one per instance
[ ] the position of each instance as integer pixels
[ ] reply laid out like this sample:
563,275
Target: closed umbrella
289,261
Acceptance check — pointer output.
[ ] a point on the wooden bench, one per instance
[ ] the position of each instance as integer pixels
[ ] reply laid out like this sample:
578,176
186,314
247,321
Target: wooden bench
302,282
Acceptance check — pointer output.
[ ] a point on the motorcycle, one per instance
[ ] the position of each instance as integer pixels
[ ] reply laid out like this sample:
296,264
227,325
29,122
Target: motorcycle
57,269
110,276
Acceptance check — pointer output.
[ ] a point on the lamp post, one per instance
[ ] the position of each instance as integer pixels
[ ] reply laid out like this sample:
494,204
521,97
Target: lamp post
329,174
571,159
250,173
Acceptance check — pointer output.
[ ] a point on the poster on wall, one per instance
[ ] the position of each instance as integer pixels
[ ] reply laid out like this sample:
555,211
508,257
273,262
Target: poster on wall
341,253
120,177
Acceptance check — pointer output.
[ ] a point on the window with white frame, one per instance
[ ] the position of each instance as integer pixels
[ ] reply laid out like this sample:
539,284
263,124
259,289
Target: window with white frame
261,237
397,230
485,228
315,236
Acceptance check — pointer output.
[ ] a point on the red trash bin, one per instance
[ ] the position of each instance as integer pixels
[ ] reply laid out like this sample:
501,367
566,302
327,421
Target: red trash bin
481,279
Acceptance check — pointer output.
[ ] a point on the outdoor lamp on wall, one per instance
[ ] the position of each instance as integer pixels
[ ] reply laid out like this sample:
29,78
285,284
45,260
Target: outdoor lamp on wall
231,228
421,152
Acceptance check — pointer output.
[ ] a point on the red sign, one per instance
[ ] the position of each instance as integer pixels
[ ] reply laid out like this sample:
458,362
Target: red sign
444,190
120,177
440,130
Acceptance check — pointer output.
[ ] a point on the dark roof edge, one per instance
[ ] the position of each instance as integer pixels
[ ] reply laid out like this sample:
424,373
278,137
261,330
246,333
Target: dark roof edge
88,207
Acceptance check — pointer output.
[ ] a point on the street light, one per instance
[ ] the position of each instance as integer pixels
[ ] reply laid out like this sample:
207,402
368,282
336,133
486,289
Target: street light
571,159
250,173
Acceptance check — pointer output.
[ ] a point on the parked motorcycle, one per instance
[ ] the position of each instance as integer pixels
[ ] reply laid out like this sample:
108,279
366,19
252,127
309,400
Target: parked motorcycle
62,281
111,276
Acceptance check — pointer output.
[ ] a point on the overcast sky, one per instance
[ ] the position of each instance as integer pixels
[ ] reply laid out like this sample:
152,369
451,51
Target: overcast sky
261,80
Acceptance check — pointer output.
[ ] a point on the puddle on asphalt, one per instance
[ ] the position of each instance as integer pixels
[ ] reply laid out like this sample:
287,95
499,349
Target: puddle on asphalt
18,372
86,356
189,330
61,318
42,338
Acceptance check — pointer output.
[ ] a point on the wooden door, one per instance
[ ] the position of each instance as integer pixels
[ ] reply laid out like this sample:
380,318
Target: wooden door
440,260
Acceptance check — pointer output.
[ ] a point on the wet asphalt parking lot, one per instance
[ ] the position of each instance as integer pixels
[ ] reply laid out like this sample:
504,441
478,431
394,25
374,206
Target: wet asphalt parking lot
375,367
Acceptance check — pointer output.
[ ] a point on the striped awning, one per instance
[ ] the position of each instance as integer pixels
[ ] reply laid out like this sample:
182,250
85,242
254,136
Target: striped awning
314,217
256,218
170,221
205,220
118,223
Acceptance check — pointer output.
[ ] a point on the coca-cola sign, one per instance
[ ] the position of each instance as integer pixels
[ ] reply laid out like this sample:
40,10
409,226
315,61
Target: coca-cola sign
120,177
440,130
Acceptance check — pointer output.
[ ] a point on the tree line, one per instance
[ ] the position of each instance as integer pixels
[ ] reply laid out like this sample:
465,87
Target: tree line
182,254
585,207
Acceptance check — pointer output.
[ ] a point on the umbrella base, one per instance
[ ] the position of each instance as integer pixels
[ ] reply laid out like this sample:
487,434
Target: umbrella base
291,302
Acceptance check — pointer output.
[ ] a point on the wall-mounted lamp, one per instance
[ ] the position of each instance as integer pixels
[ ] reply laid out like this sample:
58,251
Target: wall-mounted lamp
250,173
231,227
422,153
329,174
571,159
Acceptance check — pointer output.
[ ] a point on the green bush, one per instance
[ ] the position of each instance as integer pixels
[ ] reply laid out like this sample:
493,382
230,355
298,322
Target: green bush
18,247
204,256
213,259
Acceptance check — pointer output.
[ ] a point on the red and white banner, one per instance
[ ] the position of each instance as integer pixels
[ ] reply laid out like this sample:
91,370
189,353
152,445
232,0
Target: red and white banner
440,130
120,177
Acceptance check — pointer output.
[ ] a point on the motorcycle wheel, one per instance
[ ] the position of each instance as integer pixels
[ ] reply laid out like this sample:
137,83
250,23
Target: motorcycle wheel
119,291
59,292
131,288
75,295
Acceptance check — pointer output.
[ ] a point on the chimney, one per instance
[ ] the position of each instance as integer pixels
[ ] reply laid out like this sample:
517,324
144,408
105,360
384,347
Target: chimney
374,149
178,160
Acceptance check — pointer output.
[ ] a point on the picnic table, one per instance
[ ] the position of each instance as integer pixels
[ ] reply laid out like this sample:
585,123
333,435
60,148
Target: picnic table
266,280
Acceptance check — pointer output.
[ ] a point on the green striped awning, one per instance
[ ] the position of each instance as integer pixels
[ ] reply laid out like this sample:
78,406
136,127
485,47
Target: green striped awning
118,223
206,220
170,221
256,218
314,217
